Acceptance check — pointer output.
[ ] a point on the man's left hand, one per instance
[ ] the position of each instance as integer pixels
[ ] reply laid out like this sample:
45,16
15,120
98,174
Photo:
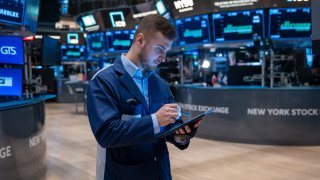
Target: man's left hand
186,129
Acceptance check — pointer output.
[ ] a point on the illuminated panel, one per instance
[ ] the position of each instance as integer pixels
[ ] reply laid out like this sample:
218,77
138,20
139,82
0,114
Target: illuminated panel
96,42
119,40
12,11
238,26
72,52
10,82
290,23
193,30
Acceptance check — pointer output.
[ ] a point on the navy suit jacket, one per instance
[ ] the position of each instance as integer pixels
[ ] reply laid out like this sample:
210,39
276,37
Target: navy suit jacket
125,130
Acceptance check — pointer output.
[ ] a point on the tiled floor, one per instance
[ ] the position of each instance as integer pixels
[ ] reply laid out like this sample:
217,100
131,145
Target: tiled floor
71,153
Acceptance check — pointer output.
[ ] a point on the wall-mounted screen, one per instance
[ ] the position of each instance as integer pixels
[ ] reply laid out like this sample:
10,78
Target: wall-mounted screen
88,20
10,82
193,30
96,42
238,26
50,52
11,50
12,11
119,40
290,23
72,53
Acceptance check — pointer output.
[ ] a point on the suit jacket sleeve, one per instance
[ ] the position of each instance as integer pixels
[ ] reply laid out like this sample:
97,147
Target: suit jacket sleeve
105,118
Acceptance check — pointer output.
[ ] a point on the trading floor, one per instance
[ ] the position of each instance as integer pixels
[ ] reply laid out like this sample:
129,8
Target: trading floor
71,154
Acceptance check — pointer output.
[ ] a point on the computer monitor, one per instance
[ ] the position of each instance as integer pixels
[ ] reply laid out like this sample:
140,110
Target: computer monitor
10,82
119,41
88,20
12,11
193,30
50,53
11,50
96,42
73,53
238,26
290,23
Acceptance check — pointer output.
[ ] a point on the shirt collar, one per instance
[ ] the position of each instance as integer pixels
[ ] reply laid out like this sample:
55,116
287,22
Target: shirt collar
132,69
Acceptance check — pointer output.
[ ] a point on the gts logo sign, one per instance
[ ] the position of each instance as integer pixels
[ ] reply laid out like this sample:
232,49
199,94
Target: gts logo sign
8,50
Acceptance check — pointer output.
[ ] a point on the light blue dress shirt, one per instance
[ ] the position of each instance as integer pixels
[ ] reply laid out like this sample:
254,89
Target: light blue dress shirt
141,81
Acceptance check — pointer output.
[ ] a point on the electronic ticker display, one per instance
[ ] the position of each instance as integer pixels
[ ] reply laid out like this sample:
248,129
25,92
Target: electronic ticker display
119,41
96,42
73,52
238,26
193,30
290,23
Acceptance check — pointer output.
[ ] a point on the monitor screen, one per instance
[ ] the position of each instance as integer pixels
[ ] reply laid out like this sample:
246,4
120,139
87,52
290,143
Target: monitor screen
50,51
193,30
290,23
88,20
119,40
10,82
11,50
161,8
96,42
73,53
238,26
12,11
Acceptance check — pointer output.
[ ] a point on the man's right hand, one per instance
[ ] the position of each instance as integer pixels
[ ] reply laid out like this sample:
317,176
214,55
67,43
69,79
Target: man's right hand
167,114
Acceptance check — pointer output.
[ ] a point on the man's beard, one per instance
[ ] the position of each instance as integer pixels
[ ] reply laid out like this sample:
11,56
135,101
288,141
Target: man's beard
145,63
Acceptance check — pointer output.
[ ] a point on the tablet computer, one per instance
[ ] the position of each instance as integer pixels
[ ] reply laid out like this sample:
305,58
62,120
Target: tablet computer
188,122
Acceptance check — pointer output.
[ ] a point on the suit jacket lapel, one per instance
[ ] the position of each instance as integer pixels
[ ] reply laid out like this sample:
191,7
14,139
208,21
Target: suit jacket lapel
129,83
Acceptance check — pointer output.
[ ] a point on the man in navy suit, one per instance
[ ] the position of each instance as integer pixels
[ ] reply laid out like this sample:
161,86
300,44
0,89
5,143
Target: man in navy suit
129,105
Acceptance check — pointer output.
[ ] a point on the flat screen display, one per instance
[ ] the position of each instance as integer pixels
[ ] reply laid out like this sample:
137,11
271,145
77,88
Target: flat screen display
88,20
73,52
11,50
238,26
12,11
290,23
10,82
119,41
50,51
96,42
193,30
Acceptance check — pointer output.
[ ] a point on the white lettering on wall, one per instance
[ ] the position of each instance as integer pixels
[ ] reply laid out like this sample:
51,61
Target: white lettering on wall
202,108
5,152
183,5
36,140
283,112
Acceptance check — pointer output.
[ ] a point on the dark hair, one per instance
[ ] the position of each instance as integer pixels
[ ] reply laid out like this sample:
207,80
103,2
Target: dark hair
154,23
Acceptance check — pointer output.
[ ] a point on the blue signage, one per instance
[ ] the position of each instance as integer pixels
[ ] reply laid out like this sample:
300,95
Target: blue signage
119,41
10,82
12,11
11,50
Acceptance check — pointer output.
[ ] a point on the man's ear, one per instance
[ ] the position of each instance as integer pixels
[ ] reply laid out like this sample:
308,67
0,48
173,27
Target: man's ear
140,40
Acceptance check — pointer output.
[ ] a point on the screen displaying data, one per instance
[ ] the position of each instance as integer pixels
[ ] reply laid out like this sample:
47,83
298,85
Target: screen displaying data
193,30
73,52
10,82
238,26
119,41
96,42
290,23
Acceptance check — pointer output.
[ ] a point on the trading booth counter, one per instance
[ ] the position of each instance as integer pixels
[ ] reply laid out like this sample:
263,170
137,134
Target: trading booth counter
22,139
280,116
